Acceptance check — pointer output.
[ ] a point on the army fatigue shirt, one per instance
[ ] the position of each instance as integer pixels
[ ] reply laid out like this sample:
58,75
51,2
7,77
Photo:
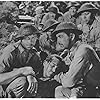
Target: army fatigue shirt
82,59
91,34
15,56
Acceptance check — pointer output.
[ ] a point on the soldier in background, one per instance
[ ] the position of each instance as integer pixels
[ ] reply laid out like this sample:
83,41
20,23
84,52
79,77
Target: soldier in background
39,15
69,15
89,25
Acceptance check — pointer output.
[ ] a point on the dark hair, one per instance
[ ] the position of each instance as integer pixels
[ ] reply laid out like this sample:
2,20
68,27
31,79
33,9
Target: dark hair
61,66
30,27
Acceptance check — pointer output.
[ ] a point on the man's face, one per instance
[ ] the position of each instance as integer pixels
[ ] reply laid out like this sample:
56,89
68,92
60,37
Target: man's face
29,41
61,19
72,10
39,11
49,32
52,15
85,16
62,41
50,67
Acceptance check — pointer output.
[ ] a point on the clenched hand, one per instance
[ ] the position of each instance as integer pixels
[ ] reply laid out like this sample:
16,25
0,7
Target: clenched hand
33,84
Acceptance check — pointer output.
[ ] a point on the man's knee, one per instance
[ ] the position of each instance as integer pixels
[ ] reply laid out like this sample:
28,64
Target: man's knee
61,92
17,88
58,91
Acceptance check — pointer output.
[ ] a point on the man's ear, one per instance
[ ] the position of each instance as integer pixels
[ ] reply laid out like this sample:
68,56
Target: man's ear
72,36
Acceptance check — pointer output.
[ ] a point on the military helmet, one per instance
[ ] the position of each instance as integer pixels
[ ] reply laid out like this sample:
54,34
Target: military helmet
50,24
67,27
53,9
87,7
39,7
31,29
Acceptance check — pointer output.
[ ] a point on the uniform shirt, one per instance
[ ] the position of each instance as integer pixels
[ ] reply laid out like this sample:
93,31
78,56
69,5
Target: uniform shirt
91,34
15,56
83,59
95,34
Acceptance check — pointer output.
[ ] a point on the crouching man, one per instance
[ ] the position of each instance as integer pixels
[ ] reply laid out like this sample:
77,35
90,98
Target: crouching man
84,68
53,65
19,63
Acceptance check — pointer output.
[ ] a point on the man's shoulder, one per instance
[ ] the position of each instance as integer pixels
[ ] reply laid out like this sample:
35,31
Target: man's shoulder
96,24
83,49
84,45
10,48
46,14
66,13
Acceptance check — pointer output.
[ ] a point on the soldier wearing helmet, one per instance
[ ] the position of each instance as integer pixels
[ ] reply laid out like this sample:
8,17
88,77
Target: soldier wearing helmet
19,63
89,24
52,14
39,15
81,58
69,15
46,43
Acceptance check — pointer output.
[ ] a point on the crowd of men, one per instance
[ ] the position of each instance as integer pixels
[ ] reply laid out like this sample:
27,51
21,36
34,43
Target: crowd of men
55,56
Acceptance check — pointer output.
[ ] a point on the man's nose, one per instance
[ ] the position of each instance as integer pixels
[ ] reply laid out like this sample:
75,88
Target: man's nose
30,41
53,69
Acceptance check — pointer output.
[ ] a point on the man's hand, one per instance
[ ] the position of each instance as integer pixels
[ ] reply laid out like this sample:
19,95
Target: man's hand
27,71
33,84
2,93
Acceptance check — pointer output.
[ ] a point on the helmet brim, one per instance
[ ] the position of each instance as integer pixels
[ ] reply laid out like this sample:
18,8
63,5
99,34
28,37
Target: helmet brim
67,31
51,27
21,37
87,10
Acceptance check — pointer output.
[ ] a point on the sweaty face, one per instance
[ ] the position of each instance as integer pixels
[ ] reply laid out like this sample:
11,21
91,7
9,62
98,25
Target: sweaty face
62,41
29,41
50,67
85,16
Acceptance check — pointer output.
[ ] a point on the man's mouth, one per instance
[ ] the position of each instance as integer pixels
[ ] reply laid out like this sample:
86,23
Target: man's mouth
30,47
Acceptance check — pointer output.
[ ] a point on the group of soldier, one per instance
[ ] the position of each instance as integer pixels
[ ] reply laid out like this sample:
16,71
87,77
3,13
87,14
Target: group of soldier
57,56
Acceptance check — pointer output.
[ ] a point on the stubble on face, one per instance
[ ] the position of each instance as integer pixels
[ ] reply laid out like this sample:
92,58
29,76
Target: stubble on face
62,41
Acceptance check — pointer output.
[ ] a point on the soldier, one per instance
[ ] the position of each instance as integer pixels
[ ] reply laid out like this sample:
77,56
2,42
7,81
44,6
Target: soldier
46,43
89,25
19,63
53,65
84,67
52,14
39,15
69,15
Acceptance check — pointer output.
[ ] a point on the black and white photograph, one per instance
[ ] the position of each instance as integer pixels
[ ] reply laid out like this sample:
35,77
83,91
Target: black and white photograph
50,49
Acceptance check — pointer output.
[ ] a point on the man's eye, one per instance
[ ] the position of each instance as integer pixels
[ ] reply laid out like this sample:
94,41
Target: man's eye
60,36
28,38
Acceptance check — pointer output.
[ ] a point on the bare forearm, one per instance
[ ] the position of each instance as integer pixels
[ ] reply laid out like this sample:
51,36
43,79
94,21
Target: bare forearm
6,78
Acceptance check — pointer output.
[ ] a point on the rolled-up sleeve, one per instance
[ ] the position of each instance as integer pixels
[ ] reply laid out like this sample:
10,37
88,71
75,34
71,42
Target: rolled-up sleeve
78,65
6,59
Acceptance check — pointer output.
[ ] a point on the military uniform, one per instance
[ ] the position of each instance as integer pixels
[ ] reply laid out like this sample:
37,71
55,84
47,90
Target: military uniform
69,18
91,32
15,56
74,82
